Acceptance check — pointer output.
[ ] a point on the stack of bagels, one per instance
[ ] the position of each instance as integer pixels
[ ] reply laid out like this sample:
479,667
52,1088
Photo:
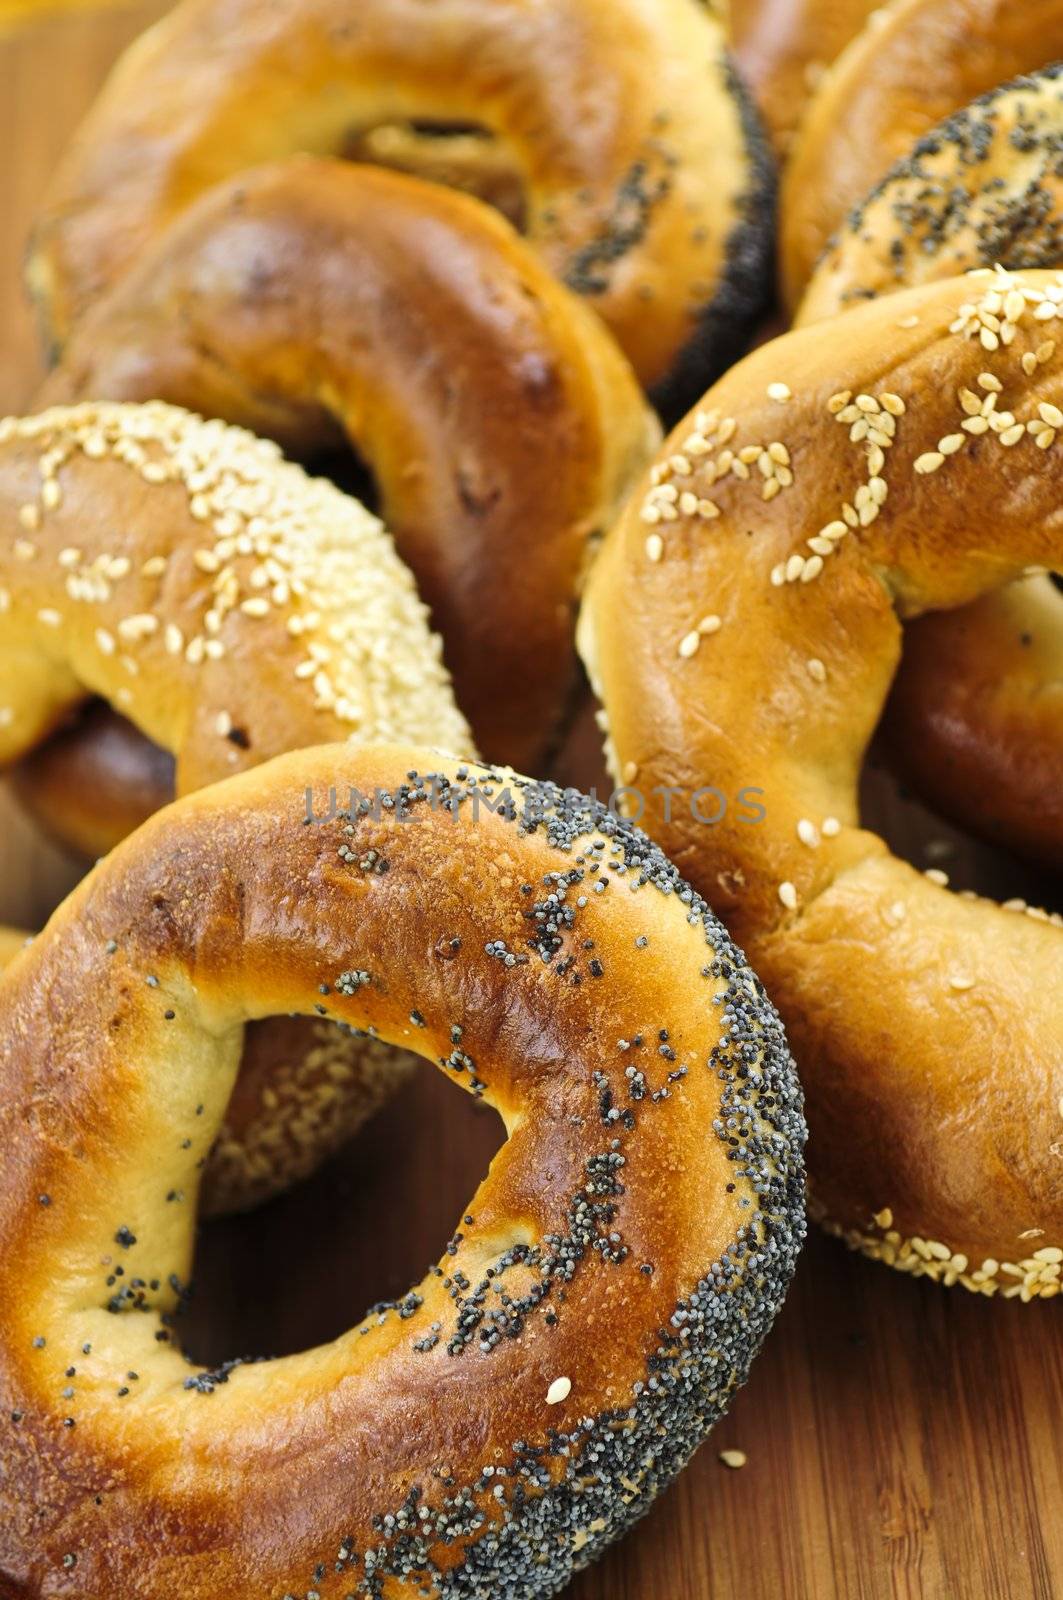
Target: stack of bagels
344,492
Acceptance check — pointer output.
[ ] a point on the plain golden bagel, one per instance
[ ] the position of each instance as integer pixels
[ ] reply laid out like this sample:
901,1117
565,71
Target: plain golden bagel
975,718
743,625
783,48
313,300
232,609
646,186
606,1288
915,63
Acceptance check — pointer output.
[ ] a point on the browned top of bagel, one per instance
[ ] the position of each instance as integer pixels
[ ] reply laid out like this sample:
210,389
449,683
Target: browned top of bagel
783,48
916,63
600,1300
829,488
645,189
501,423
230,606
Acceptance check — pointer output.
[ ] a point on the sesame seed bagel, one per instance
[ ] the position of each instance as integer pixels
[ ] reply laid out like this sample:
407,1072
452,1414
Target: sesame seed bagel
231,608
646,184
975,718
501,423
605,1291
913,65
783,50
827,491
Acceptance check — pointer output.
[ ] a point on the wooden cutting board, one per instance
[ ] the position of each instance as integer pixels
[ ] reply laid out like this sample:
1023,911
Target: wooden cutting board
902,1440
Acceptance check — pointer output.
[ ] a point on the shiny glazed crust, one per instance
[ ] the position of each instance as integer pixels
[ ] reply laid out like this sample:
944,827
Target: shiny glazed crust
605,1290
646,190
232,609
743,625
501,424
916,63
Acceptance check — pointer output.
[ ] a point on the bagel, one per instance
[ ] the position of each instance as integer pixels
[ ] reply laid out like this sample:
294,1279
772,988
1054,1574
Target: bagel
93,781
753,651
975,718
647,187
915,63
232,609
783,48
614,1275
315,297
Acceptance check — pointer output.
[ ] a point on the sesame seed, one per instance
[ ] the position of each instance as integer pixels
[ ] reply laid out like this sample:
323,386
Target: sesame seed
689,643
929,462
654,547
815,669
831,827
733,1459
558,1391
788,895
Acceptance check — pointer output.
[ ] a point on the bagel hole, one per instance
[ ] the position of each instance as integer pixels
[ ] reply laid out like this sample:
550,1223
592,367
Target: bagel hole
302,1269
461,155
343,465
928,841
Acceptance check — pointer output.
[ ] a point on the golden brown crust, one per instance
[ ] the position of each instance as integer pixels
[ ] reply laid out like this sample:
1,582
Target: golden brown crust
916,63
644,188
754,650
233,609
783,48
593,1313
975,717
500,422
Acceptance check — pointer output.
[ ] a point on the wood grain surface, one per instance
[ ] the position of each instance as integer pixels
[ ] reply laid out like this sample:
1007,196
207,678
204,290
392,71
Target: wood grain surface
902,1440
